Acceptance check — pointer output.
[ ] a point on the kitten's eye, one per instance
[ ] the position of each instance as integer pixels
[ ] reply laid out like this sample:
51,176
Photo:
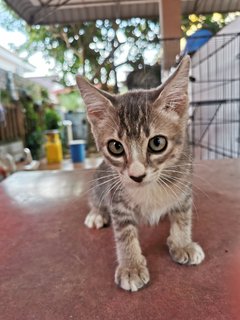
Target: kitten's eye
157,144
115,148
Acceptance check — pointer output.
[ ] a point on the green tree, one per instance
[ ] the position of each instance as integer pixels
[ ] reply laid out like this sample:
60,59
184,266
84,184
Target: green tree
94,49
99,49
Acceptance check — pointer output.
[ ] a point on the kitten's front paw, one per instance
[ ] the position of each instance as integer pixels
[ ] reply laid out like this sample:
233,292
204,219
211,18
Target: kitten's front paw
132,278
192,254
95,220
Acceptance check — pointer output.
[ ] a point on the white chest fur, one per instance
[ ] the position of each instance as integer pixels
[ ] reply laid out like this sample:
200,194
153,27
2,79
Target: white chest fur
153,202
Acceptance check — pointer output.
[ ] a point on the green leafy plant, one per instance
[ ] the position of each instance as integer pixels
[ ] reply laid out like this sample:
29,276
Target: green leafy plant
33,126
5,97
52,119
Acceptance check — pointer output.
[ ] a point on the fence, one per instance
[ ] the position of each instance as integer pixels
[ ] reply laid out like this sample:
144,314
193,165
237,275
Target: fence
13,128
214,127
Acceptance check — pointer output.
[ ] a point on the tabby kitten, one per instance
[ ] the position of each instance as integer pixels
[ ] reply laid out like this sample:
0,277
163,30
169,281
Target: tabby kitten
146,172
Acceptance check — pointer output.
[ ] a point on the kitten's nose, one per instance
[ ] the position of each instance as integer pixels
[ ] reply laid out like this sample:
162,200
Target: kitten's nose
138,179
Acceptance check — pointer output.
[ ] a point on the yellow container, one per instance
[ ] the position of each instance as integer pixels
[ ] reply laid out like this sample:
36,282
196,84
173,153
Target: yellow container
53,147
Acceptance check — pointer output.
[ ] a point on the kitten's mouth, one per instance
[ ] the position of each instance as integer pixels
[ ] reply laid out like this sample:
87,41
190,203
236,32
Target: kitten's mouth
140,184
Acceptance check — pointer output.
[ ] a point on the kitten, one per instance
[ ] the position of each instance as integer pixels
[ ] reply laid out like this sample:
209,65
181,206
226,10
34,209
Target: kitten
147,170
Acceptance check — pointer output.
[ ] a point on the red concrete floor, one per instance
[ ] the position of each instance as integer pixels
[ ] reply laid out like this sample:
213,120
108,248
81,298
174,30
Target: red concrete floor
52,267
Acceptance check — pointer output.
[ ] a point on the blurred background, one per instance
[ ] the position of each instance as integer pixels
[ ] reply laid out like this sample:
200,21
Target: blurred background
116,45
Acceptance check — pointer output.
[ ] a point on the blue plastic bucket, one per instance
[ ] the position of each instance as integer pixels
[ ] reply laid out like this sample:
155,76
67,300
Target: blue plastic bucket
77,148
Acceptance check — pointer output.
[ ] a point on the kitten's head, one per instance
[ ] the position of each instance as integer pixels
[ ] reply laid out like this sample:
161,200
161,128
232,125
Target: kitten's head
140,132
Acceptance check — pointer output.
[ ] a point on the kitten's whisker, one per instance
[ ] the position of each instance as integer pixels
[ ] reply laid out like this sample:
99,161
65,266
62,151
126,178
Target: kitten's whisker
105,171
105,193
117,188
99,170
176,185
98,185
188,164
193,185
176,179
172,191
97,182
104,177
193,174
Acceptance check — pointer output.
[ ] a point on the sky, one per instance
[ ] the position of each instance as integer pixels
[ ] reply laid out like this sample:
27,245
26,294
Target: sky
17,38
42,66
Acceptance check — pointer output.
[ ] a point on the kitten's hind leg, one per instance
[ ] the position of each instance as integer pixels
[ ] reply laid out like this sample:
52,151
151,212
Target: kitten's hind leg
181,247
97,218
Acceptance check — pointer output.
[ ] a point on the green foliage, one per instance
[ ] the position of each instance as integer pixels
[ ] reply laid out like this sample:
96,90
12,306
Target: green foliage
52,119
33,126
34,143
213,22
44,95
5,97
33,102
71,101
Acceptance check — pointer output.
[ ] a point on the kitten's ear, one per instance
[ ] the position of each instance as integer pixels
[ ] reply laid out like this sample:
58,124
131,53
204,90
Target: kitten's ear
96,101
173,94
